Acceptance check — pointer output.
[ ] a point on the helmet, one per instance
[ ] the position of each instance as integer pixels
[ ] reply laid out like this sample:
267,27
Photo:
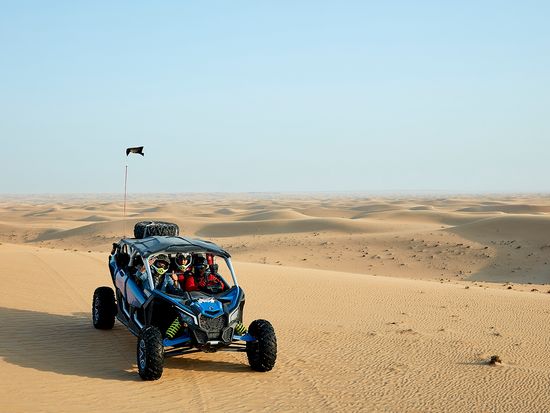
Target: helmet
161,264
199,262
183,261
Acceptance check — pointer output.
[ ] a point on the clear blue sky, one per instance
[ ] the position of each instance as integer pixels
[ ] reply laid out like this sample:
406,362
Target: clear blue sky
275,96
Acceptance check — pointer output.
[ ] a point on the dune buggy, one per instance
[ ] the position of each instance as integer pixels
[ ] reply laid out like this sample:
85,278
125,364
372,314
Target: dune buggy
168,323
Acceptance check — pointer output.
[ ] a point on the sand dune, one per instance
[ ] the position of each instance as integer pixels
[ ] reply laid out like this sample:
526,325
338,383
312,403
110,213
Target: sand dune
421,208
532,228
273,215
424,215
325,212
509,209
277,226
95,218
410,345
87,231
40,213
374,208
225,211
379,304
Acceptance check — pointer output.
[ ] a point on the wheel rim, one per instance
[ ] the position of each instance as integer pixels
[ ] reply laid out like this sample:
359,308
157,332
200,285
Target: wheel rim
96,310
141,354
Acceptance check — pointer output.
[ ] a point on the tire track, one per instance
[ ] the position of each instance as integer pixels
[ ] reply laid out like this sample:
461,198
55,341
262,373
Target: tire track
71,291
65,286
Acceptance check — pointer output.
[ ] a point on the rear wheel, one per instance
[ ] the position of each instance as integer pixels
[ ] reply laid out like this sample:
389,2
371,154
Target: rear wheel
150,354
262,353
103,308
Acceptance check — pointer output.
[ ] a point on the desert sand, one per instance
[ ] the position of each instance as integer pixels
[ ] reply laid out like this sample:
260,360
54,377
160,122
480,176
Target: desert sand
379,303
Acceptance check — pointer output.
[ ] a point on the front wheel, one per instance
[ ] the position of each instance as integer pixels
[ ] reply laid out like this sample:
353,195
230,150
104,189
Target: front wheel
103,308
150,354
262,353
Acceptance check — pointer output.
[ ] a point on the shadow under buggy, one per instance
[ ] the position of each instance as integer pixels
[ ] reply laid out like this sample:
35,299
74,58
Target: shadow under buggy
171,321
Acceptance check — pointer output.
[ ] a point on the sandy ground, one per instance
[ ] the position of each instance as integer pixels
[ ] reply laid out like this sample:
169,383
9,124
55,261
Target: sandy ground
385,304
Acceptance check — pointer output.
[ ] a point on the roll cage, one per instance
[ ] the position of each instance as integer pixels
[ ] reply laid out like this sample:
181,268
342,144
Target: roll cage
150,246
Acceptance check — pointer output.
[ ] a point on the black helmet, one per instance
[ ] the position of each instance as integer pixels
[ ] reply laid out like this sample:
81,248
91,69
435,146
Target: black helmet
199,262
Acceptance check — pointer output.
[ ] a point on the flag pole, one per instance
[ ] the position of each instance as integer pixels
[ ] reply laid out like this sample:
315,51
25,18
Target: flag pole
125,182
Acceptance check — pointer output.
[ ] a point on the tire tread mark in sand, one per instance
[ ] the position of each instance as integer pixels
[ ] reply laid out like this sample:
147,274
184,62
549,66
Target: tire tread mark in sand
197,386
326,402
65,285
68,289
91,257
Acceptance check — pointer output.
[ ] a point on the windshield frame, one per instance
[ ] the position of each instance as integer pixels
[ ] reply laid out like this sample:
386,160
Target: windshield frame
227,260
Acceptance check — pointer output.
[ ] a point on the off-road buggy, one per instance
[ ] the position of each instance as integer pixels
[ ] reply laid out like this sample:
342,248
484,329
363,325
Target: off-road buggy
169,323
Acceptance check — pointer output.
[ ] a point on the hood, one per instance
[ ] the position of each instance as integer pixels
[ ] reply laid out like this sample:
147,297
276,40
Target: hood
210,307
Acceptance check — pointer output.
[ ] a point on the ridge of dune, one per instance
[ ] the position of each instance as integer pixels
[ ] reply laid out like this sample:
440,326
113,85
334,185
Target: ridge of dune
325,212
149,210
95,218
89,230
281,214
421,208
509,209
370,208
225,211
424,215
529,227
277,226
109,228
42,212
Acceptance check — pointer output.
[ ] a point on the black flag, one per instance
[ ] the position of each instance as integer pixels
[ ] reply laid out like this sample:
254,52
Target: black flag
137,149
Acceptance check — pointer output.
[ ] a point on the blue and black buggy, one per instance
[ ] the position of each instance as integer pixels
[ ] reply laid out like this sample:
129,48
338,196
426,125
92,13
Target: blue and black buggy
169,323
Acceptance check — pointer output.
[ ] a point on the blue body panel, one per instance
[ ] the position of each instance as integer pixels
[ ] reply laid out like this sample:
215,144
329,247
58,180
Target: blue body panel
246,337
231,297
134,294
210,307
120,281
176,342
129,289
112,265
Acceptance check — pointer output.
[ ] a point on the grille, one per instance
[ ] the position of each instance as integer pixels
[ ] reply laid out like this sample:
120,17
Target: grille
212,325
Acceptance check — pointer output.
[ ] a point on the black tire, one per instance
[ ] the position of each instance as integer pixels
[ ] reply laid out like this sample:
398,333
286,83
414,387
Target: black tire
262,353
150,354
103,308
145,229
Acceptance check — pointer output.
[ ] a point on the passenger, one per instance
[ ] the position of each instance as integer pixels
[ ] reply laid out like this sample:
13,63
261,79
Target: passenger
182,267
159,270
201,280
141,272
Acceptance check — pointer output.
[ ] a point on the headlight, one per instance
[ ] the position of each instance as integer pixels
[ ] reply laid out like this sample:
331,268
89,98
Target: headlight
235,315
187,319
